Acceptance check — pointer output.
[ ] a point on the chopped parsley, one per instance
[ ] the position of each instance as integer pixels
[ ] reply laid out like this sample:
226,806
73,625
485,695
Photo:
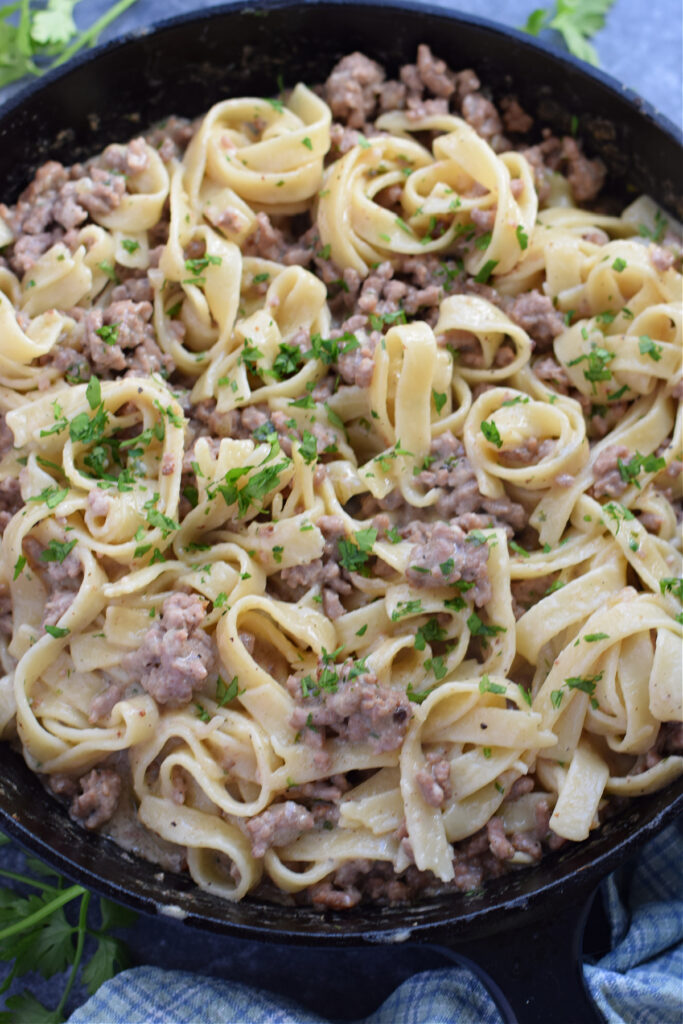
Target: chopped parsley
430,633
308,448
109,333
440,399
354,554
522,237
486,686
226,692
479,628
486,271
57,631
628,471
491,433
418,696
598,369
56,551
647,347
672,585
406,608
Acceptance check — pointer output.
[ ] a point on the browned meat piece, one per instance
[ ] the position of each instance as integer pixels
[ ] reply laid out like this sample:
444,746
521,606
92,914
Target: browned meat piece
62,579
530,452
526,593
265,241
434,73
500,845
10,500
670,739
352,88
608,479
171,137
29,248
176,656
536,315
444,556
586,177
452,472
352,705
661,259
515,118
100,792
97,193
481,114
553,373
435,780
5,611
279,825
526,843
131,330
101,705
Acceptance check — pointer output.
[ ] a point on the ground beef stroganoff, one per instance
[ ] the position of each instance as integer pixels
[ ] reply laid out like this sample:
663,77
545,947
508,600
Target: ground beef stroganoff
340,488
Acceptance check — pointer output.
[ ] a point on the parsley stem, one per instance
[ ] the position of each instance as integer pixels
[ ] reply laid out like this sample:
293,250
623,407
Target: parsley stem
46,911
89,36
45,886
80,942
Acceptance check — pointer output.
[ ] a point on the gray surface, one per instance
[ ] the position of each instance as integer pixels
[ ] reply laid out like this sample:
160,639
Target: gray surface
641,46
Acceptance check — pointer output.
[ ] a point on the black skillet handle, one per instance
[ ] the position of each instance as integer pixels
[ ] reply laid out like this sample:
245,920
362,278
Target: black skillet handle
534,972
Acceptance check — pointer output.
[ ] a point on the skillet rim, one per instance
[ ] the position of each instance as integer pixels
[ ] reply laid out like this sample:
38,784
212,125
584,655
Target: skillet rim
643,106
333,928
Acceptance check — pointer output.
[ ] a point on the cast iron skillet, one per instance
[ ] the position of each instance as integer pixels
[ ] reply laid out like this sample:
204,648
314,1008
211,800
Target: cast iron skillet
524,931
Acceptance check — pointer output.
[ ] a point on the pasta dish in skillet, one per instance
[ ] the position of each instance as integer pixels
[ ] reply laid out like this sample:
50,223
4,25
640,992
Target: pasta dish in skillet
342,439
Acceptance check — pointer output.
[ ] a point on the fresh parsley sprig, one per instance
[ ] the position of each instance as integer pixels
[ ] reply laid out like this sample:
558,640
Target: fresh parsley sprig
37,935
577,21
35,38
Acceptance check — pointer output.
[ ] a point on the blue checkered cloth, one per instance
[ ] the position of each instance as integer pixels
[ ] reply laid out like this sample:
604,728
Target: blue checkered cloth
640,981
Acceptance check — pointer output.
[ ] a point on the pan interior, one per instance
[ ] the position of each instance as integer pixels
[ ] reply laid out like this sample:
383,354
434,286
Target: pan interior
184,68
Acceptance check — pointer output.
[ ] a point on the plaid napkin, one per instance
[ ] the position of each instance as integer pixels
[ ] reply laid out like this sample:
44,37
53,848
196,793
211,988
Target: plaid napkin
639,982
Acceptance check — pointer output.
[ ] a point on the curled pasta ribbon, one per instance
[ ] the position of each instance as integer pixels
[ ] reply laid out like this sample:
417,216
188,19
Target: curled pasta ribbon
223,757
643,428
196,306
468,320
606,279
289,631
141,204
53,700
249,372
511,437
631,689
111,526
457,718
358,229
20,347
58,279
467,175
207,838
268,153
407,367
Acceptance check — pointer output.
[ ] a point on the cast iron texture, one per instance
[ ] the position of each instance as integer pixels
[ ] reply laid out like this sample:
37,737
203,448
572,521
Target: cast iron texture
184,67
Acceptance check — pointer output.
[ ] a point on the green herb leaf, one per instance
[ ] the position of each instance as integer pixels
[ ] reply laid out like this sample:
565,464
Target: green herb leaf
57,631
56,551
647,347
491,433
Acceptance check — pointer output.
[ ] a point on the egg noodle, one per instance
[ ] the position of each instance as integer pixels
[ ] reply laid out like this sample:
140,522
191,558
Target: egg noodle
571,693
